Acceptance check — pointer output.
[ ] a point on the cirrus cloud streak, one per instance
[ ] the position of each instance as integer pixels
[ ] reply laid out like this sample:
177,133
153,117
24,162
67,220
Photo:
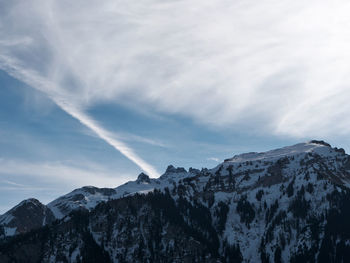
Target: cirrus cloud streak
283,64
62,100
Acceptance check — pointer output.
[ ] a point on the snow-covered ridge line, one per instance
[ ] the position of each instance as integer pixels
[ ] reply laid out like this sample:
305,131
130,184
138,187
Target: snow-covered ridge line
260,205
318,147
89,197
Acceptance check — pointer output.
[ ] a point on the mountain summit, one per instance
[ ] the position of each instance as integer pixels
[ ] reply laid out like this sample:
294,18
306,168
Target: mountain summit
317,147
286,205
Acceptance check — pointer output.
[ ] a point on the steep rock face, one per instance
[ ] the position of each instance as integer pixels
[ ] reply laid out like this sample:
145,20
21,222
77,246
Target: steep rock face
286,205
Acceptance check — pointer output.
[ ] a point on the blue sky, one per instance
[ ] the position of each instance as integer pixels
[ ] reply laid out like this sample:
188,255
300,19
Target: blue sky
39,141
93,94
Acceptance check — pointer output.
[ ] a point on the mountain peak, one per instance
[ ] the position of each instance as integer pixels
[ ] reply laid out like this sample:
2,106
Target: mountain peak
172,169
143,178
30,201
319,147
27,215
249,200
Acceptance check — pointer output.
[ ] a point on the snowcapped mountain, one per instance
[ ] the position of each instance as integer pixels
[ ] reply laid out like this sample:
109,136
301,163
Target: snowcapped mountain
30,214
286,205
83,198
89,196
27,215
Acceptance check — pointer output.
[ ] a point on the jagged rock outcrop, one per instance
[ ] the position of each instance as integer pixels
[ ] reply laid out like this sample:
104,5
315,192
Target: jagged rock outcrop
143,178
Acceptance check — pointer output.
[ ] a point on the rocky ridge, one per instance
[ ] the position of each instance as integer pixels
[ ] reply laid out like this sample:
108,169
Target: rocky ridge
287,205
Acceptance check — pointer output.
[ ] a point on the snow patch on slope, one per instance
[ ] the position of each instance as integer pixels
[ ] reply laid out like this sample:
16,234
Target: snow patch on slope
6,218
10,231
83,198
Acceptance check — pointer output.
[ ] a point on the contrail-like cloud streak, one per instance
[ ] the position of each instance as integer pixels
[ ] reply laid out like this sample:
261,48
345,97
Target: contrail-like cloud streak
108,137
279,67
10,66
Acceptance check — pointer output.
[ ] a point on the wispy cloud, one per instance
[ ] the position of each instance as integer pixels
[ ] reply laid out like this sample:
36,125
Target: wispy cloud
282,65
132,138
213,159
61,98
46,180
136,138
13,183
56,173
